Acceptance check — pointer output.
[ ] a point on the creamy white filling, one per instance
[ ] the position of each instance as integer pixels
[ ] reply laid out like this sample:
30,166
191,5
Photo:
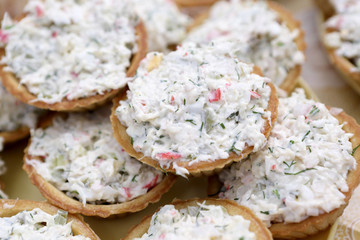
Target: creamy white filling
200,222
164,22
252,32
83,159
37,224
301,171
197,105
66,49
346,35
345,5
14,113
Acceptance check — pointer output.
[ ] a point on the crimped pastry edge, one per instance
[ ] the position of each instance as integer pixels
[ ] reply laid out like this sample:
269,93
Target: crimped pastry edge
10,207
256,226
11,83
60,199
16,135
290,81
196,169
313,224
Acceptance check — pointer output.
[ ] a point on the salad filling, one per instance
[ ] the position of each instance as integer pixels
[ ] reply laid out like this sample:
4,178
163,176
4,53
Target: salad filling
344,36
82,158
66,49
252,32
37,224
164,22
195,104
15,114
302,170
197,222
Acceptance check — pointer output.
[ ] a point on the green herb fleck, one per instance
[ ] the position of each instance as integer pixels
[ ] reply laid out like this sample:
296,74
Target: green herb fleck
304,170
314,110
307,133
222,125
289,165
202,125
354,150
308,147
276,192
190,121
265,212
164,171
134,178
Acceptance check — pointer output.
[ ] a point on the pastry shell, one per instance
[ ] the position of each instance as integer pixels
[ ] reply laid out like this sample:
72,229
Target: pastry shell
199,168
61,200
256,226
194,3
290,81
10,207
341,63
11,83
16,135
314,224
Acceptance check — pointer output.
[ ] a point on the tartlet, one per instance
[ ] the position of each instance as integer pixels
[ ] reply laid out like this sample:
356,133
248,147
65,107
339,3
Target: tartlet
10,208
64,30
165,107
84,170
165,24
228,207
16,118
261,32
300,163
339,23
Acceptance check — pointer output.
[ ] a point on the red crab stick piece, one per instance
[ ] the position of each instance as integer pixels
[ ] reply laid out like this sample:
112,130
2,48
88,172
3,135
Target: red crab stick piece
255,95
152,183
168,156
39,11
215,95
4,38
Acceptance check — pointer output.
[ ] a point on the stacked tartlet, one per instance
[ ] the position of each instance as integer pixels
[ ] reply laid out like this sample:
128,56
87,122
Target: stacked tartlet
201,219
340,35
194,111
74,55
258,32
16,118
302,179
165,24
23,219
77,165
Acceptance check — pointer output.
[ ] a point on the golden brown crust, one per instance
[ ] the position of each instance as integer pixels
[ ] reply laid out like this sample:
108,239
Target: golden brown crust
60,199
11,83
199,168
16,135
313,224
194,3
290,81
326,7
11,207
256,226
